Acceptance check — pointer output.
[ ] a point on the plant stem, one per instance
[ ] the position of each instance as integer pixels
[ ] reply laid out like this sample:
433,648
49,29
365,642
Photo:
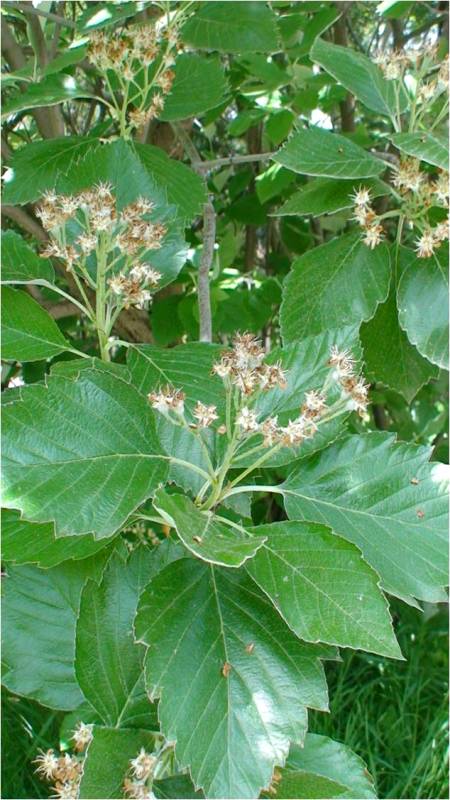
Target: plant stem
100,319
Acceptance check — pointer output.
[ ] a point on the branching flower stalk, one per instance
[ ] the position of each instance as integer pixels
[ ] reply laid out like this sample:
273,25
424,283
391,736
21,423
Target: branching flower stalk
245,377
105,250
136,66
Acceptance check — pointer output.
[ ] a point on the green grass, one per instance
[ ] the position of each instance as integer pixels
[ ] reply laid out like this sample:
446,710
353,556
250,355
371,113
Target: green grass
393,714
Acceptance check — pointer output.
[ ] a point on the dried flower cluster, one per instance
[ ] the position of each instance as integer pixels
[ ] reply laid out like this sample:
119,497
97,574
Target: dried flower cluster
127,54
393,63
63,769
243,366
124,236
243,369
138,784
367,218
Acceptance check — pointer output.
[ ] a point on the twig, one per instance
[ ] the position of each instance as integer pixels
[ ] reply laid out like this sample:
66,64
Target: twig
204,299
205,166
26,221
39,13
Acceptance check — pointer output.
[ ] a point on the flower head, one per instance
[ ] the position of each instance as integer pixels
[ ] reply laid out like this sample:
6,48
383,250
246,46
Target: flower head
143,765
205,415
168,399
82,736
247,420
426,244
373,236
47,764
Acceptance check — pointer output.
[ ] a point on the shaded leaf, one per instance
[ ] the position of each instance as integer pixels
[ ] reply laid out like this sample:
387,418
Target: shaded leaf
203,534
422,309
28,543
361,486
28,332
50,91
389,355
40,609
108,761
217,658
323,768
108,663
338,283
20,264
322,587
82,453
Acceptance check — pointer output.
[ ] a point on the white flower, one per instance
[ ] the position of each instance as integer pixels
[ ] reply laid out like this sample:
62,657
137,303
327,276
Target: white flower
247,420
373,236
205,414
82,735
142,765
426,244
47,764
361,197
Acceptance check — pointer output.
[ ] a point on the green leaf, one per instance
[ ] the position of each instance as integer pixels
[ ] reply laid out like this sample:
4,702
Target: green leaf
388,500
360,76
424,146
232,28
389,355
186,367
217,658
95,17
203,534
40,609
36,167
272,182
28,332
322,587
324,196
20,264
41,165
28,543
49,92
320,22
394,9
108,664
108,761
323,768
314,151
177,786
422,309
199,85
279,125
81,453
72,55
338,283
